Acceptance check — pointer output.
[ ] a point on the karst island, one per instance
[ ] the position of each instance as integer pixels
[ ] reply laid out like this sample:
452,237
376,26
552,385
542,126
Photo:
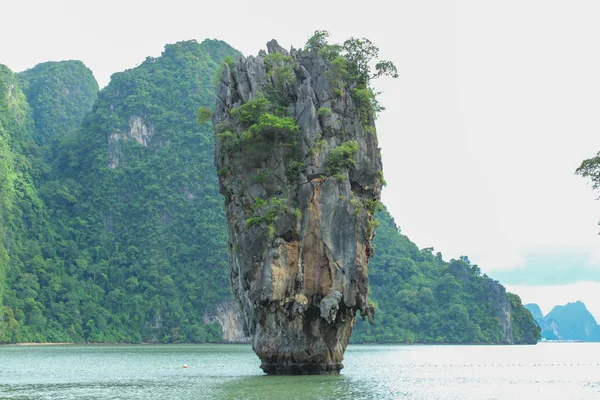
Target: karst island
299,166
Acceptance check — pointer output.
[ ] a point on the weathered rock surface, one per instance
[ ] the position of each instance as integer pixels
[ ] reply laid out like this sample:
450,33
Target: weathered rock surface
229,317
496,294
300,278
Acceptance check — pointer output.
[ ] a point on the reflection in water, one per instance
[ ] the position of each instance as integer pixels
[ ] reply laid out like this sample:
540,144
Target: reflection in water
307,387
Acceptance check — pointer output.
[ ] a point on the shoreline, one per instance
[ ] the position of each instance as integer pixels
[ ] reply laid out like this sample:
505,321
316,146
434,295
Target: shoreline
35,344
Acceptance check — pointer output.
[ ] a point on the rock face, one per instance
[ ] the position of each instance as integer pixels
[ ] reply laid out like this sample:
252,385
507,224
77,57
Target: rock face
229,317
138,131
300,170
496,294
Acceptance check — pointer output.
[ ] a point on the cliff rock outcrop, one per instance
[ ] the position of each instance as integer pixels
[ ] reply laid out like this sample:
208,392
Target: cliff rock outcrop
229,317
298,163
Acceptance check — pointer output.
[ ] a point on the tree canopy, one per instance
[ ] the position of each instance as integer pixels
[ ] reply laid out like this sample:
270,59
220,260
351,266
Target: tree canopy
420,298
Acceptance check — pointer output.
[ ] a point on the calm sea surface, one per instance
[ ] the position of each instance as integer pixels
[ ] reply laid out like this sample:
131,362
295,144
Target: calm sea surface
545,371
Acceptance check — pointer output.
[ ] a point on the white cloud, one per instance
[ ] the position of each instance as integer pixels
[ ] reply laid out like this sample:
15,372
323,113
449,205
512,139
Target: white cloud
488,126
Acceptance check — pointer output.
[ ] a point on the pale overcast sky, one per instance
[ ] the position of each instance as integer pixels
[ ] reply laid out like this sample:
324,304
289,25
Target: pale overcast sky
496,105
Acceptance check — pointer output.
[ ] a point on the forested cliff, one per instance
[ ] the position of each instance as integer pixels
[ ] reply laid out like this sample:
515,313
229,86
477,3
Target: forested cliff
422,298
112,228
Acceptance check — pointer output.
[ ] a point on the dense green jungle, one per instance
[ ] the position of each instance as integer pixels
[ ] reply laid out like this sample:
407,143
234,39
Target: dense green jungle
112,228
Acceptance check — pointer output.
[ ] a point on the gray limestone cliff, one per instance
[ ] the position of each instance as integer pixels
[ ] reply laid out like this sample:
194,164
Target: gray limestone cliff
300,170
496,294
229,317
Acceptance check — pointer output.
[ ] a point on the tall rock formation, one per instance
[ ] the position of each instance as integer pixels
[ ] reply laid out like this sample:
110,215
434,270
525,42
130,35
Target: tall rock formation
575,321
299,167
572,321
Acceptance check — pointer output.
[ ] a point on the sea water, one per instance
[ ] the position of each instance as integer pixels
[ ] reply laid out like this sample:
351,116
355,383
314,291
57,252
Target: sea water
544,371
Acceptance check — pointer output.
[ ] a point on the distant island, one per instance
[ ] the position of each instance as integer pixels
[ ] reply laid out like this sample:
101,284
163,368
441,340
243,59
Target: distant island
571,322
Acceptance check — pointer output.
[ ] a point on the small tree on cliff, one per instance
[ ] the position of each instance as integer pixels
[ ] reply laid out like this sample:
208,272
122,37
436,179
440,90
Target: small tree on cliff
359,55
354,64
318,41
204,115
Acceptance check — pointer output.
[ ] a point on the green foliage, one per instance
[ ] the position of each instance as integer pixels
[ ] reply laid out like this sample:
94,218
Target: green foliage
360,53
293,170
317,41
60,95
338,75
263,127
324,112
368,107
250,112
372,224
356,204
125,254
351,66
204,115
266,212
374,206
342,157
385,68
382,179
524,328
420,298
27,240
229,141
264,130
275,60
590,168
318,146
219,72
280,71
274,129
341,178
262,176
229,61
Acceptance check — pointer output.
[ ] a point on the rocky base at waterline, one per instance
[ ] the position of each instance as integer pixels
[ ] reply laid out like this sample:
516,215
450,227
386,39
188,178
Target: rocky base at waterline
299,167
